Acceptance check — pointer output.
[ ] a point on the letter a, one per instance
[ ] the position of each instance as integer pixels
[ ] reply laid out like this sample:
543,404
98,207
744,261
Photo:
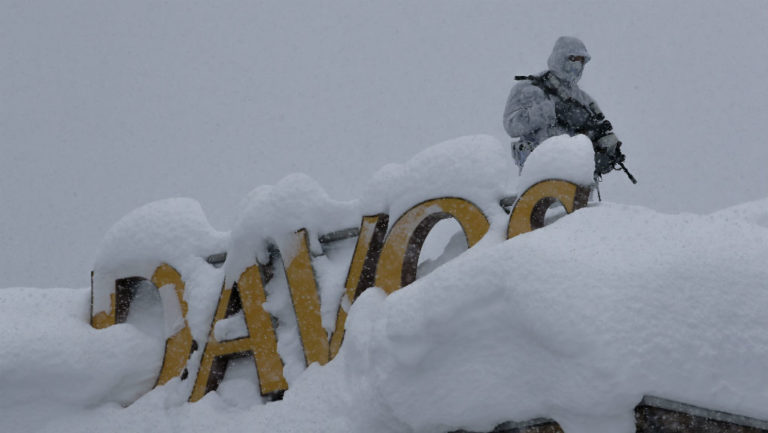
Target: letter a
260,343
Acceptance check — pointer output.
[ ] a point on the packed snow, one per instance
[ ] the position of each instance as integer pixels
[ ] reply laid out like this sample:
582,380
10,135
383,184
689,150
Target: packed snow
174,231
575,321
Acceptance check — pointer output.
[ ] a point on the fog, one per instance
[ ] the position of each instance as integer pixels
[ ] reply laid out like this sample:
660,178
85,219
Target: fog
105,106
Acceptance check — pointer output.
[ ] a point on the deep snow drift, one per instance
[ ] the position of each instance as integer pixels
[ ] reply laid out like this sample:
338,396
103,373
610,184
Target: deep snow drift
575,321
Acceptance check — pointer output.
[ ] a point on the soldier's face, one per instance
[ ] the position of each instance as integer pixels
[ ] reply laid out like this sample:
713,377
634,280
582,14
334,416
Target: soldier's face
574,66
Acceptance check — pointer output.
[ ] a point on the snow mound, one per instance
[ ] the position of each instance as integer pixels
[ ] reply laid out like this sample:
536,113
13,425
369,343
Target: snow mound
174,231
54,364
560,157
272,214
755,212
575,321
474,167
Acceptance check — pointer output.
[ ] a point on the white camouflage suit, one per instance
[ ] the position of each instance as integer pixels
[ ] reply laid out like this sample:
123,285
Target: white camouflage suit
531,115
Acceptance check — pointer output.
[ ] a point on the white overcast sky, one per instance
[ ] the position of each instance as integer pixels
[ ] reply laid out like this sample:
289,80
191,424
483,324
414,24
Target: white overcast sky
106,105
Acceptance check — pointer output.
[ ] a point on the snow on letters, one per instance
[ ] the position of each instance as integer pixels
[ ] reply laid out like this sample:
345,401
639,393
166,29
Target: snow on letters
574,322
278,275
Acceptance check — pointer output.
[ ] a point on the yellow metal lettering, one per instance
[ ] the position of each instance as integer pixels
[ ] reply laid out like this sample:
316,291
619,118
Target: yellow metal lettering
306,301
261,342
105,319
529,210
179,346
400,254
361,269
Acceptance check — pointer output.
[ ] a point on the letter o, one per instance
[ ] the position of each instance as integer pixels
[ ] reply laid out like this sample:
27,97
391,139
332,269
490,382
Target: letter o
529,210
400,253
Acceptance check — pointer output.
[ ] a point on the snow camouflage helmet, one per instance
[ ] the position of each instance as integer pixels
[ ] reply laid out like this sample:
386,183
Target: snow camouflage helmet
562,63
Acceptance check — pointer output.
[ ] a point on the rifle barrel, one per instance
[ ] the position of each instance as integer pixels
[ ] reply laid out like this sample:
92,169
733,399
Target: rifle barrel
632,178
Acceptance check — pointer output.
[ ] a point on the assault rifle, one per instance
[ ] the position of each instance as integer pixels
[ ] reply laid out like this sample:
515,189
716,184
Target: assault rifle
606,145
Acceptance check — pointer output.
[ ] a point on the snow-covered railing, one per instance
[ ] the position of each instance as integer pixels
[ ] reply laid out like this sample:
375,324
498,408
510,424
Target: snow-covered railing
218,259
656,415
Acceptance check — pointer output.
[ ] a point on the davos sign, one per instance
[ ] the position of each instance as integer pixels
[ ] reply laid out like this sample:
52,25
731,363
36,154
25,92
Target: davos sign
386,255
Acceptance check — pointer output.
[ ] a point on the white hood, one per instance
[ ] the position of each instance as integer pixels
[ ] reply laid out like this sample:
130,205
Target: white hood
568,71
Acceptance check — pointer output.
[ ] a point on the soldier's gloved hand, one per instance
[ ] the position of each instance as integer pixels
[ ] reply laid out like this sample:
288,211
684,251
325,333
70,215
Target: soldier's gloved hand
619,158
606,161
603,128
603,162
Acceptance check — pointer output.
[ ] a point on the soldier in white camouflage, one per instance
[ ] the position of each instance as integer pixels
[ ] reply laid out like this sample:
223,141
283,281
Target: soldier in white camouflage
551,103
